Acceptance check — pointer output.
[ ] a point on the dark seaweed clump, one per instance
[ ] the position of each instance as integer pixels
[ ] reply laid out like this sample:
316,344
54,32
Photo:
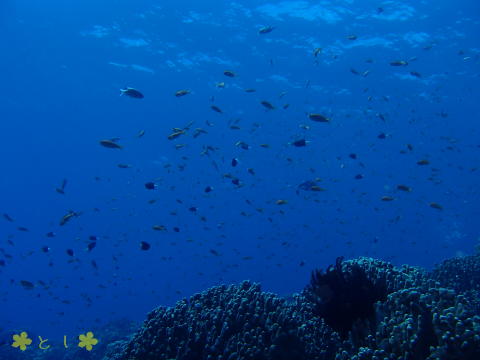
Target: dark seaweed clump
345,297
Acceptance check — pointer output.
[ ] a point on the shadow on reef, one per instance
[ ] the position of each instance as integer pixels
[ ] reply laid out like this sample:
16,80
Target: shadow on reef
361,309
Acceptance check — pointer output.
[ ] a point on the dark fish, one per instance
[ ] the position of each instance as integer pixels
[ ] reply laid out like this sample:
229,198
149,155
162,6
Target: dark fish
214,252
382,136
67,217
267,105
234,162
266,29
27,284
176,229
423,162
110,144
229,73
216,109
208,189
45,249
404,188
318,118
70,252
22,228
416,74
8,217
359,176
199,131
300,143
243,145
236,181
353,156
307,185
61,189
150,185
182,92
310,185
398,63
50,234
387,198
91,246
144,245
124,166
175,134
435,205
131,92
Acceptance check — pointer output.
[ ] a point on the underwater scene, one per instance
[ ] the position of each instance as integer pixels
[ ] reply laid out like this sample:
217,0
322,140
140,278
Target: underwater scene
240,180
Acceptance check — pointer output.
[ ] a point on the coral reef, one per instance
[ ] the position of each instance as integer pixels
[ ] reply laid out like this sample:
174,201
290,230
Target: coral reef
460,274
362,309
235,322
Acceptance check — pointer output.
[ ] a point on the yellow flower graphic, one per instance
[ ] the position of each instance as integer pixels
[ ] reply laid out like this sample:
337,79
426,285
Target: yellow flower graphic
21,341
87,341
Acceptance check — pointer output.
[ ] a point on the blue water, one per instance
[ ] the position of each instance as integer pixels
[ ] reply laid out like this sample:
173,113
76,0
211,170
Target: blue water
63,64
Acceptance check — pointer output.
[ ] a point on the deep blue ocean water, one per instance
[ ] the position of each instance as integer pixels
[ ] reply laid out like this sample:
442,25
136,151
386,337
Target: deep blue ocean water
63,64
